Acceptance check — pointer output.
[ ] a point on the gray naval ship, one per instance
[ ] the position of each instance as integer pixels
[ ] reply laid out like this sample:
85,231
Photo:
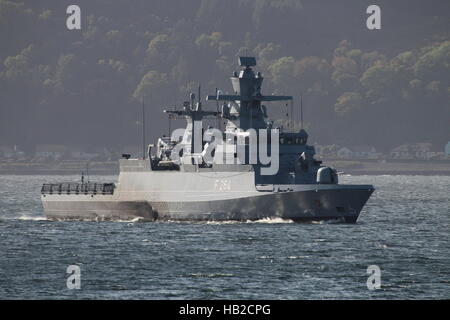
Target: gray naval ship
180,182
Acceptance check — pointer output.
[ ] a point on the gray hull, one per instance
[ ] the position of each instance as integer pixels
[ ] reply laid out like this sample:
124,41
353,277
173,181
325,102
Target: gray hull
314,202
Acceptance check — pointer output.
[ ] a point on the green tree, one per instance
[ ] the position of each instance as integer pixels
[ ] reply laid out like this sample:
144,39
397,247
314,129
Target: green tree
151,83
312,75
281,71
348,102
345,72
434,64
378,80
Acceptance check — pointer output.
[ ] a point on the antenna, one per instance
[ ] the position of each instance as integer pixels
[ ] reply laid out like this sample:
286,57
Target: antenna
288,117
87,171
292,115
217,109
301,111
199,96
170,122
143,128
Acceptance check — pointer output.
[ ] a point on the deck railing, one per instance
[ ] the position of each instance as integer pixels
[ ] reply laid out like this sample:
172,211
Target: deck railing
78,188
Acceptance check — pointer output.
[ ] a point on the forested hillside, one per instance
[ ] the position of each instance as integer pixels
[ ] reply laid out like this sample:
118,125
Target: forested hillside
360,87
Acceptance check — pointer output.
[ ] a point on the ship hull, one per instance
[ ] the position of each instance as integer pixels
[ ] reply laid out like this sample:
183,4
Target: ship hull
315,203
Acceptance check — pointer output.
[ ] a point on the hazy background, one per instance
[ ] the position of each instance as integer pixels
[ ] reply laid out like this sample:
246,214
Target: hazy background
360,87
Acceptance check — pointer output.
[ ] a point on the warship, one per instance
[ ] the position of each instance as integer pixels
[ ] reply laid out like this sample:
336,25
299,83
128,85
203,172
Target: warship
192,178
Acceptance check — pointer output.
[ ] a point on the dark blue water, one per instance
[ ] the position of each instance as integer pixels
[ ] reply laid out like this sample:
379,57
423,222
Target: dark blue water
404,229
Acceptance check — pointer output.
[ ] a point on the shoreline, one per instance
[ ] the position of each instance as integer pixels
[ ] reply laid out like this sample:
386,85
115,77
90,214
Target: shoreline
351,167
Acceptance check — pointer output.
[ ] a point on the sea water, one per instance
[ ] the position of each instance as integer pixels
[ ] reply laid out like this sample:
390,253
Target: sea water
403,230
